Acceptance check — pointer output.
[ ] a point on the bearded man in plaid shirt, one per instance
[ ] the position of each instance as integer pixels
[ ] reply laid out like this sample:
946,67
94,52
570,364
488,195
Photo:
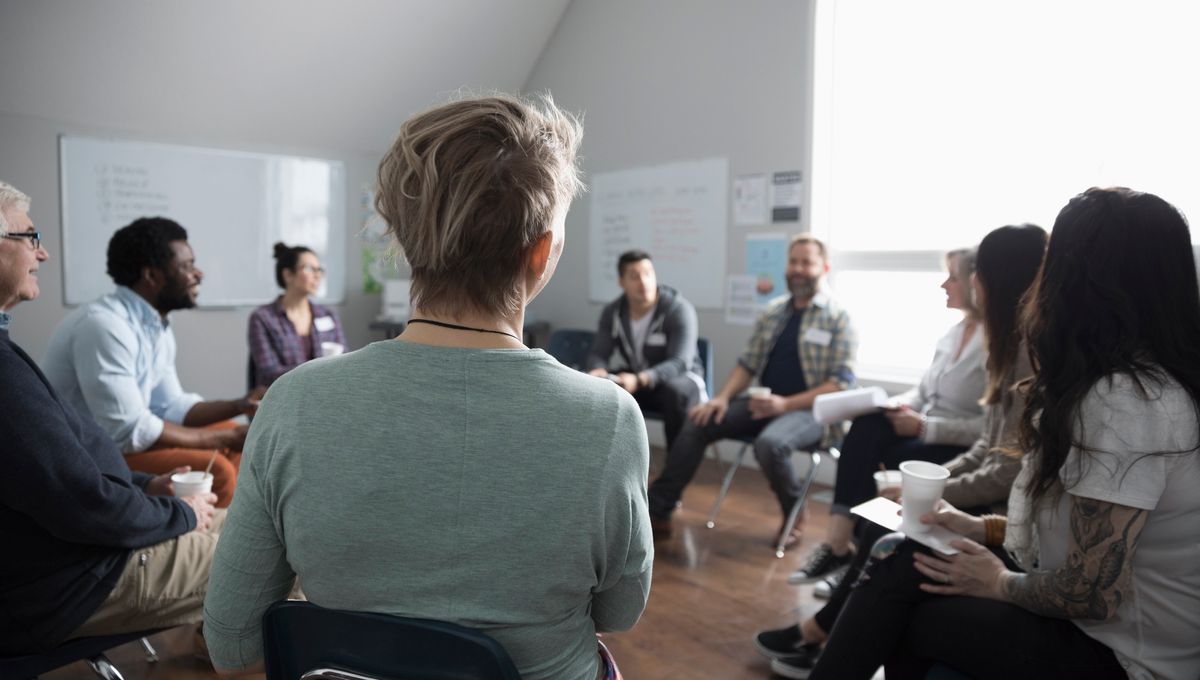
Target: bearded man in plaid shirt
803,346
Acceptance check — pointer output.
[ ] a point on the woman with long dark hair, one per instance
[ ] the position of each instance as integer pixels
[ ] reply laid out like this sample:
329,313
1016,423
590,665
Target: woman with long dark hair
1101,577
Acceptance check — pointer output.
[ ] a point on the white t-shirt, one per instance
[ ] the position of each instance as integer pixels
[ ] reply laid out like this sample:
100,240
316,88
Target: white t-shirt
638,329
1156,632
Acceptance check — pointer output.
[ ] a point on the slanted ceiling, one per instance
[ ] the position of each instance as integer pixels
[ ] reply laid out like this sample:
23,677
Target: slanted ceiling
322,74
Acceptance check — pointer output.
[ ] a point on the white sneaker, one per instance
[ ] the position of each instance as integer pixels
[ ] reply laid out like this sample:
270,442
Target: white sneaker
825,587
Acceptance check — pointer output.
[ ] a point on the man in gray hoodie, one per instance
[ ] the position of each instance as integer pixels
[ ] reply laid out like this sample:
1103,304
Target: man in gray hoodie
646,343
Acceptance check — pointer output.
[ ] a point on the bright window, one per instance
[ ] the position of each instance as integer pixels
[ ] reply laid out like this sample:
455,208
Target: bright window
936,121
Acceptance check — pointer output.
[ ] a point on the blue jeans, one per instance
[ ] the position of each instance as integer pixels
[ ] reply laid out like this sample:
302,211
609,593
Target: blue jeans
774,441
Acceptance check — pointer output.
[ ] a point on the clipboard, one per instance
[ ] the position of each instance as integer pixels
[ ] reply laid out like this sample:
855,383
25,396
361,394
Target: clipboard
886,513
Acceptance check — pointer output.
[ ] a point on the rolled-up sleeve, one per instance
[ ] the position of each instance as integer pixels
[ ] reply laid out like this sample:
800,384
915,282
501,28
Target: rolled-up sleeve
104,356
844,348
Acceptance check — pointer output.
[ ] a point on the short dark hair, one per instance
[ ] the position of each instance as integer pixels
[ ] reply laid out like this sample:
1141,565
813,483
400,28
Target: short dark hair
629,257
145,242
286,257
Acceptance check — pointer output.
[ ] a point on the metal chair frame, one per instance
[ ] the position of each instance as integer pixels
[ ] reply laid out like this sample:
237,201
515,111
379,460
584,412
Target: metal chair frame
814,457
89,649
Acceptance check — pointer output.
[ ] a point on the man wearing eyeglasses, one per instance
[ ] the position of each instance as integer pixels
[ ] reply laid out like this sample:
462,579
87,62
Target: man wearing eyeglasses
84,537
114,359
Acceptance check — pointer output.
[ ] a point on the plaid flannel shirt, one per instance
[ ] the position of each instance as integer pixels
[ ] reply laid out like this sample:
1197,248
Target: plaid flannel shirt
833,360
276,348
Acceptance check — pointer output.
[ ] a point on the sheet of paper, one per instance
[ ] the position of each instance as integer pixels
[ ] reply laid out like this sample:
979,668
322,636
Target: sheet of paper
785,196
739,301
750,200
886,513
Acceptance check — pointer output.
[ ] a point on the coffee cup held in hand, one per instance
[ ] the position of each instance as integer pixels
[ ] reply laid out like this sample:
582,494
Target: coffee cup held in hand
332,349
191,483
759,392
921,485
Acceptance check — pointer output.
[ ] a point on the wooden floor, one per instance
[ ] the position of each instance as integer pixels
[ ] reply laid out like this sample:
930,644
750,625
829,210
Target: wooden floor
713,588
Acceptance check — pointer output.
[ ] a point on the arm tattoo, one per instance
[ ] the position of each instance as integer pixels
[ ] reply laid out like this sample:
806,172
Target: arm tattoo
1092,582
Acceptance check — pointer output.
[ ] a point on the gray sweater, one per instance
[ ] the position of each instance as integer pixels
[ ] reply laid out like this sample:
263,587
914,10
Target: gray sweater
495,489
670,348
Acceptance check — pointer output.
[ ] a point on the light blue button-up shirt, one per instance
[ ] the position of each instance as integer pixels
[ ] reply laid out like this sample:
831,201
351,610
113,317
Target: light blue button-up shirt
5,320
115,359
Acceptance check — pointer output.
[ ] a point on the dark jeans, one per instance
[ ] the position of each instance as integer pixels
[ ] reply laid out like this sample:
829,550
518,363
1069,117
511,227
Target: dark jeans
889,620
670,400
871,441
866,533
774,441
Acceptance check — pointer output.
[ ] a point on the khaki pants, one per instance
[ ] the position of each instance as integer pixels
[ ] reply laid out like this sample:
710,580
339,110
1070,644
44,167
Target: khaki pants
162,586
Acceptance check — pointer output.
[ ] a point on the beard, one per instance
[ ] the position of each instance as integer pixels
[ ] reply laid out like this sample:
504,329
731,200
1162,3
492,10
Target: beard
174,296
803,287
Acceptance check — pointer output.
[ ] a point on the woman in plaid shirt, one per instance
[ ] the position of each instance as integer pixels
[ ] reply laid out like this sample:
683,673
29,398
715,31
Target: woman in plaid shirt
293,329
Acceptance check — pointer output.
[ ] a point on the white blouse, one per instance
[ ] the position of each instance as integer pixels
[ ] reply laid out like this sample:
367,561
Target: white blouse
949,392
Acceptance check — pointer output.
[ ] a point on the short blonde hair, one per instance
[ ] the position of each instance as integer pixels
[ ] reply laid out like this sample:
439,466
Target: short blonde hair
468,188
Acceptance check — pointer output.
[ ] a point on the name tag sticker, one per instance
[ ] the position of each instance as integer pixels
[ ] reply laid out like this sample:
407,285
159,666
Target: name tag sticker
818,336
324,324
656,339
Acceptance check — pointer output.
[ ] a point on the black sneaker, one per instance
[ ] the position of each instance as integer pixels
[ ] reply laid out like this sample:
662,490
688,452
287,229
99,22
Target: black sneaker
799,665
825,587
820,564
776,644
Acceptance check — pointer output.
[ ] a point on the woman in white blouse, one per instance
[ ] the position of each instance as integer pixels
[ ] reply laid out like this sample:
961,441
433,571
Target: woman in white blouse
934,421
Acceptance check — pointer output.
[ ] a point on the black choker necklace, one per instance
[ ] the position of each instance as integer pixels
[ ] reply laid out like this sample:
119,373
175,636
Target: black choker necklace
457,327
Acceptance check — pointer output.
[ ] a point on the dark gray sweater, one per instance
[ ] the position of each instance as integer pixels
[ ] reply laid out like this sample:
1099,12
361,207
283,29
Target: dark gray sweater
674,317
70,511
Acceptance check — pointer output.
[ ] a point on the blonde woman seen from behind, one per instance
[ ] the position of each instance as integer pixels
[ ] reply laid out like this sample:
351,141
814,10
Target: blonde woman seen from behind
452,473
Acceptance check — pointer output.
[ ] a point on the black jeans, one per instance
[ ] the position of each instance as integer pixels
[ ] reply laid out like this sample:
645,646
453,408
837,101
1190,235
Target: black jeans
671,400
889,621
871,441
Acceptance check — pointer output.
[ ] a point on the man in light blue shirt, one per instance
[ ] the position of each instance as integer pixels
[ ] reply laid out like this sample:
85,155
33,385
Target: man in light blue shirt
114,359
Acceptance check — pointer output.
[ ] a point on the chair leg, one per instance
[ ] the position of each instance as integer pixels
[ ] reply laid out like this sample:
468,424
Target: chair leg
104,669
151,654
814,461
733,467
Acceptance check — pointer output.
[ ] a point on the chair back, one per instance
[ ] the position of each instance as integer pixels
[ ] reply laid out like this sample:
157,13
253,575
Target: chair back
301,639
571,346
704,352
251,375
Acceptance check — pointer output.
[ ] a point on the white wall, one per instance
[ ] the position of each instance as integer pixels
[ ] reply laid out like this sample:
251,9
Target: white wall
212,343
674,80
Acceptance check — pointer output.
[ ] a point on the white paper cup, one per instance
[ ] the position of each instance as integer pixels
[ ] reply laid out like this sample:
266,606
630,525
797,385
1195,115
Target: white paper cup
887,479
332,349
191,483
759,392
921,485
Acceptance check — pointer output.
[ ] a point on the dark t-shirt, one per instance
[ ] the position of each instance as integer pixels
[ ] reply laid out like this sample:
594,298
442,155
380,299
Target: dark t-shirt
783,372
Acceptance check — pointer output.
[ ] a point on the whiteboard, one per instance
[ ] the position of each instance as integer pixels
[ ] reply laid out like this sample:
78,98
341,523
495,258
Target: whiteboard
677,212
234,205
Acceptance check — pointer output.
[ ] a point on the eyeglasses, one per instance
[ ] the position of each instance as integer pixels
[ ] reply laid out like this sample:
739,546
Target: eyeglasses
35,237
320,271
